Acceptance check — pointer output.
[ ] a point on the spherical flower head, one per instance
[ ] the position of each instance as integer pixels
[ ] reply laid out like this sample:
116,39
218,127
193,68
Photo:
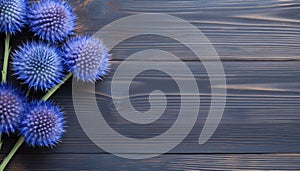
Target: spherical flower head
52,20
42,124
86,57
12,15
39,65
11,108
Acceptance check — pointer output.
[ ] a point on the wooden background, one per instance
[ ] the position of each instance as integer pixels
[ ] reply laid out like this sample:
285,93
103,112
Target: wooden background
258,42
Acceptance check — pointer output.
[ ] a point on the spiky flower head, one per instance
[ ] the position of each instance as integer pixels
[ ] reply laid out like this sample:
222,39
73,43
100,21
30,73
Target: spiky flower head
42,124
12,104
12,15
52,20
86,57
39,65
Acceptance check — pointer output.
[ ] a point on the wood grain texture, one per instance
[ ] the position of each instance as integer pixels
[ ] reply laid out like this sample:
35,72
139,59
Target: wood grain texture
261,114
101,162
258,42
239,30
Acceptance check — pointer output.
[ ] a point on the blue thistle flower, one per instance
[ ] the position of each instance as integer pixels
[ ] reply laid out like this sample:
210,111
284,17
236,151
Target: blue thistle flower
12,15
42,124
39,65
11,108
52,20
86,57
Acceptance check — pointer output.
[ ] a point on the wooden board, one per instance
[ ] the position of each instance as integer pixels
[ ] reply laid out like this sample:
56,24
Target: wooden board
239,30
261,115
102,162
258,44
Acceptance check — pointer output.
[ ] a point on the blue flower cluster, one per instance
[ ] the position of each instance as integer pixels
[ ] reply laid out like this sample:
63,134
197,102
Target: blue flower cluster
87,57
42,66
39,65
12,15
43,124
51,20
11,108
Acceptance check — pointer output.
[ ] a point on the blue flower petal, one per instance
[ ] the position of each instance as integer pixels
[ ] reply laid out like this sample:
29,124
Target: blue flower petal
12,104
52,20
12,15
86,57
39,65
42,124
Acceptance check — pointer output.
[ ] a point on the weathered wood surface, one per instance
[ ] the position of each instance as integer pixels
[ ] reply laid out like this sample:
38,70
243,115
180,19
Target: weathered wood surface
96,162
260,127
239,30
261,119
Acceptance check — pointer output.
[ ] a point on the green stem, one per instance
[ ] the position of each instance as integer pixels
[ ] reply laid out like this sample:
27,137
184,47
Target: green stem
6,56
28,92
1,140
21,139
4,72
53,90
11,153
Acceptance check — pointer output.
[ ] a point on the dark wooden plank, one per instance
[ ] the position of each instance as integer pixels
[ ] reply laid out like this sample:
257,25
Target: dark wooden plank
260,126
239,30
261,115
99,162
